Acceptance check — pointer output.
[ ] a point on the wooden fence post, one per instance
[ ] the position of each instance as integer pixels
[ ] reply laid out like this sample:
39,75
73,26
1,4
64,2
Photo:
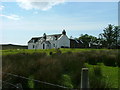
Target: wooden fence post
84,79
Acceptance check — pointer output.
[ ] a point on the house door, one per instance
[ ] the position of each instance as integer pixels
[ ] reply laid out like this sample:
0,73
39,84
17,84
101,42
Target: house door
43,46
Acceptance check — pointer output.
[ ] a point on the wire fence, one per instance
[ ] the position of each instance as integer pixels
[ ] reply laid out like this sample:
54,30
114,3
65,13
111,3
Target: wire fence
22,77
8,83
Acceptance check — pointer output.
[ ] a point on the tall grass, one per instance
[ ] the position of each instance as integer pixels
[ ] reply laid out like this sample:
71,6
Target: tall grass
43,67
54,65
102,76
97,80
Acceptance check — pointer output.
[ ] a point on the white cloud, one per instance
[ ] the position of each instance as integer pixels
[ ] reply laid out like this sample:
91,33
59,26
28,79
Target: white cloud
38,4
1,7
13,17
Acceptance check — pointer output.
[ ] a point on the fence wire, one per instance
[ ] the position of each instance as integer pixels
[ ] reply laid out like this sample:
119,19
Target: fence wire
47,83
9,83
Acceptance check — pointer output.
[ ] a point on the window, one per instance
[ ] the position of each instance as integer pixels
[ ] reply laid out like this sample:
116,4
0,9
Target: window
53,45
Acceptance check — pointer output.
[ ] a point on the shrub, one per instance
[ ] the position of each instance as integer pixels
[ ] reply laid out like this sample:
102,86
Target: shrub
66,81
110,60
50,53
31,82
58,51
92,57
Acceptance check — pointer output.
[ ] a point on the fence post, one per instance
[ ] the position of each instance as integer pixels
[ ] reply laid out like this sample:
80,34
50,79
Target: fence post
84,79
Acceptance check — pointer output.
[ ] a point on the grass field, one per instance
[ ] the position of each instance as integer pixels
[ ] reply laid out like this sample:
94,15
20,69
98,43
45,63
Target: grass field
109,73
65,63
14,51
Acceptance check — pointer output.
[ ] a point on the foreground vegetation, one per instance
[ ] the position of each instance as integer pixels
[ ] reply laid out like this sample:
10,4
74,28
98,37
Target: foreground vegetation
104,76
63,50
62,66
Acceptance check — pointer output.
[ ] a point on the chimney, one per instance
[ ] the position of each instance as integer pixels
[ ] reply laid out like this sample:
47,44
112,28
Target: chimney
64,32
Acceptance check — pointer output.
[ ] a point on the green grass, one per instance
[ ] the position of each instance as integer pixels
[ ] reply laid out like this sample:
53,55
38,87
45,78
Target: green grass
15,51
110,74
50,68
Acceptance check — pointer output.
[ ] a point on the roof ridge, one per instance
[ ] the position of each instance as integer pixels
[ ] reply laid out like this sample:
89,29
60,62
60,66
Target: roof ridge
36,37
54,34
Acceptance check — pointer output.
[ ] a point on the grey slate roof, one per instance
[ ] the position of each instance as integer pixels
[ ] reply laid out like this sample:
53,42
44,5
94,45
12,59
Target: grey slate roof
37,38
55,35
77,41
47,42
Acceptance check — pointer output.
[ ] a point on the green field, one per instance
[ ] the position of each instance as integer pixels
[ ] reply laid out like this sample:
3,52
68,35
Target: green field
110,74
66,65
14,51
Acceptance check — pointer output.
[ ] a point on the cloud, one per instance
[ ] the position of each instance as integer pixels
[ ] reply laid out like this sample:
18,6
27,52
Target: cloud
38,4
12,17
1,7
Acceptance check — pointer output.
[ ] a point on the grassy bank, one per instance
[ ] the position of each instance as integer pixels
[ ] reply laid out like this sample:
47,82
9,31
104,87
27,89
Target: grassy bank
15,51
61,66
110,74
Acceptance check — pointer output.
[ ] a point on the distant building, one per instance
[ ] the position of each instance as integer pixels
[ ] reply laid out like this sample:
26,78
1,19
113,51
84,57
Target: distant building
53,41
50,41
76,43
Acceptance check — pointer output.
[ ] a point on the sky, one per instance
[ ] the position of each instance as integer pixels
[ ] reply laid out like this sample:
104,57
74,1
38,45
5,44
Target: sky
21,20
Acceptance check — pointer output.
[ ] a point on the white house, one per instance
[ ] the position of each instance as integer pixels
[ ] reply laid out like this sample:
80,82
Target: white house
50,41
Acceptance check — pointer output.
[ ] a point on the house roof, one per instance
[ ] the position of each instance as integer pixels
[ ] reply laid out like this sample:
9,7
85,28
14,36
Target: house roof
37,38
47,42
77,41
55,35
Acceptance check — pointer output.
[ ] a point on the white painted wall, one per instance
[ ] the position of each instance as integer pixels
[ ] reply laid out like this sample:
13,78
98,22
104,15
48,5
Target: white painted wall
30,45
53,43
38,45
63,41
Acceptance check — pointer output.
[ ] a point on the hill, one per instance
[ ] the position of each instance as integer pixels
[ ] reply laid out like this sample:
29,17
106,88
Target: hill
11,46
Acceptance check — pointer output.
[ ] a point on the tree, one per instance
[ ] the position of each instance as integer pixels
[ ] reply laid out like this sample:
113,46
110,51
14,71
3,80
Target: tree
87,40
117,36
110,36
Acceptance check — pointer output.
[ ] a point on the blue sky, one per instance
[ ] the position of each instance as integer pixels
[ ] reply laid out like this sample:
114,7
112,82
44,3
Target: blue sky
20,21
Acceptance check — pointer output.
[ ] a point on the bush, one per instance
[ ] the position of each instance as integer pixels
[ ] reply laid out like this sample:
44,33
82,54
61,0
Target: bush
66,81
94,56
50,53
110,60
31,82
